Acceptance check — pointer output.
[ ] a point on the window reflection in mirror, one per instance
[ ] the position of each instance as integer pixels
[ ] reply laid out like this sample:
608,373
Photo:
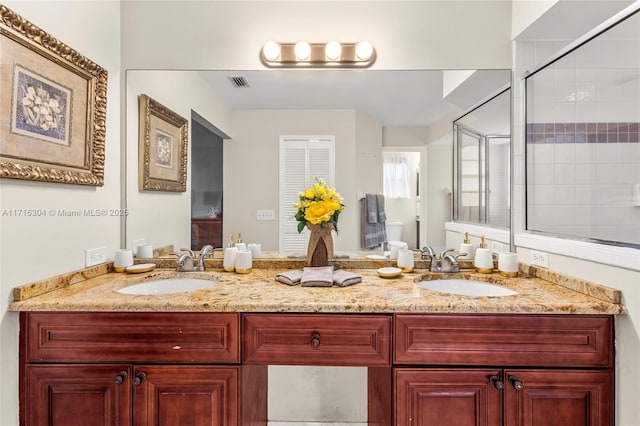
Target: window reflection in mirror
482,143
583,149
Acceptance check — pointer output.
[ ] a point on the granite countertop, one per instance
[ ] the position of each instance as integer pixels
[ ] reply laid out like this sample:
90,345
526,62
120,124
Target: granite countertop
95,290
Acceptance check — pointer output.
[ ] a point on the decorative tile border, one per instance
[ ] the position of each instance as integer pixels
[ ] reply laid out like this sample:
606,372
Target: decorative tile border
621,132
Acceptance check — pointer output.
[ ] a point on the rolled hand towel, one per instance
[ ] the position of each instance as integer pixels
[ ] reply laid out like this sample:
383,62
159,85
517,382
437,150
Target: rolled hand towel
318,276
289,277
344,278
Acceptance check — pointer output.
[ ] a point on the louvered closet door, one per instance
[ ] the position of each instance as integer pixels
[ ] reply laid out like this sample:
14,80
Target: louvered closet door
302,159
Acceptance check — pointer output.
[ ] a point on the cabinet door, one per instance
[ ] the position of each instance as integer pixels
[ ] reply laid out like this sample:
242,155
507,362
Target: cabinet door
185,396
76,395
558,398
461,397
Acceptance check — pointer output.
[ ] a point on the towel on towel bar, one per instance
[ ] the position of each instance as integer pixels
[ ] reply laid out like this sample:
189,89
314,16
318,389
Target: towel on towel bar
382,216
371,203
317,276
373,234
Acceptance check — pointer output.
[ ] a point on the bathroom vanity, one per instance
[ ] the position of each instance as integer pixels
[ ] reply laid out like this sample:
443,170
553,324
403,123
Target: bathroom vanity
202,357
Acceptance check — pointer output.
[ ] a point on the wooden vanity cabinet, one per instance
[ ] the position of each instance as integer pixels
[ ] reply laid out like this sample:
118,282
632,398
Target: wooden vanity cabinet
129,369
146,369
511,370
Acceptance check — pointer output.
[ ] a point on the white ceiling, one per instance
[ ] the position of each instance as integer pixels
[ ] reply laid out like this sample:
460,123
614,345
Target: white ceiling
395,98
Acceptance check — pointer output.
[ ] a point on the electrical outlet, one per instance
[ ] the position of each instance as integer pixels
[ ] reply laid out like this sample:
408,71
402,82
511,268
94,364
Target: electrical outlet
95,256
266,215
540,258
136,243
497,247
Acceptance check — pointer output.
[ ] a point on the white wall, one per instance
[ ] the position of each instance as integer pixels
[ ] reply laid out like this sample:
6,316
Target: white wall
162,218
34,248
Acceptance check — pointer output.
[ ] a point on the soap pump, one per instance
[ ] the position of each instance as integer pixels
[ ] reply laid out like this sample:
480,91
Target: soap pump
466,248
483,260
239,244
228,263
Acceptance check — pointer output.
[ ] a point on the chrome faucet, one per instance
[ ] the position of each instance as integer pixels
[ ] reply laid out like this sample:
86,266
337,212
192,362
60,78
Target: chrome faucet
450,262
185,262
205,251
440,263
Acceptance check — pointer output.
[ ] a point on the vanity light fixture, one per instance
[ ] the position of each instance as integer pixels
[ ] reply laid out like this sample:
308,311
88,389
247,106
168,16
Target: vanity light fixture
318,55
302,50
333,50
271,51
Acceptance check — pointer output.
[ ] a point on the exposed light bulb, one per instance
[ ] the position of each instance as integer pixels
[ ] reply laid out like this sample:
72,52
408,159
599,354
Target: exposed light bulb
271,50
302,50
333,50
364,50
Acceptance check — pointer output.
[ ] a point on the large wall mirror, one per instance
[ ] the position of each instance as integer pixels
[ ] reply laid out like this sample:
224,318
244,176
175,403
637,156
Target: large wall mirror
246,112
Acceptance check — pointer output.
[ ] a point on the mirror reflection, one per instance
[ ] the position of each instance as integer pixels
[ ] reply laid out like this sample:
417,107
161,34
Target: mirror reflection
237,120
482,144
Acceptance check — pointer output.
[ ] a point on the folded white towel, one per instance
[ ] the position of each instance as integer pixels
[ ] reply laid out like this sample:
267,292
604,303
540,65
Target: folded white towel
289,277
317,276
344,278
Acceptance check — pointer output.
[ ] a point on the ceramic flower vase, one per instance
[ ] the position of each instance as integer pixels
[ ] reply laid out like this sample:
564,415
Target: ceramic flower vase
320,248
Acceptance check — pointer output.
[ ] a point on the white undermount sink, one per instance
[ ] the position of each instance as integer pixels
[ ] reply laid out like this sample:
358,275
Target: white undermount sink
167,286
466,288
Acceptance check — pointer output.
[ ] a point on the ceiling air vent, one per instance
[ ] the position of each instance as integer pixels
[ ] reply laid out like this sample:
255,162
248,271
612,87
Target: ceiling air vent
239,82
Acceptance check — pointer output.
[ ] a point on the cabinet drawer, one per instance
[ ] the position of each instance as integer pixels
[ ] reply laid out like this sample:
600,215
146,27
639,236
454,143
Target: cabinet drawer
131,337
312,339
510,340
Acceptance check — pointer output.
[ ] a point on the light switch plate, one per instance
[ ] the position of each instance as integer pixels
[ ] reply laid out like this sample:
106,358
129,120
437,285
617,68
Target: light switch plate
266,215
540,258
95,256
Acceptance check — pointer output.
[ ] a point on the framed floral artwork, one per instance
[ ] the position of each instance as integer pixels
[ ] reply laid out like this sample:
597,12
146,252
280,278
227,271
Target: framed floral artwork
52,109
162,148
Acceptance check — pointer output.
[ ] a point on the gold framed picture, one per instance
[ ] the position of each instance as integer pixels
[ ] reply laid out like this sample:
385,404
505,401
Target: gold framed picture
163,148
52,109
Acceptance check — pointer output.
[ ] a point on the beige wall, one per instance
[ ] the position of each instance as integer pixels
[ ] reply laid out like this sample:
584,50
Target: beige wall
229,34
33,248
251,178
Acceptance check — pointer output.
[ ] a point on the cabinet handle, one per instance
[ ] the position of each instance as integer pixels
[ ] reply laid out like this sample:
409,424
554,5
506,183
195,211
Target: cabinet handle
496,382
121,377
140,377
315,339
517,384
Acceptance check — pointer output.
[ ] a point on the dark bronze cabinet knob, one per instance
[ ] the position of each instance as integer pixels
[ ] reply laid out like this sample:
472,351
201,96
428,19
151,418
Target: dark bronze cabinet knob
315,340
121,377
517,384
496,382
140,377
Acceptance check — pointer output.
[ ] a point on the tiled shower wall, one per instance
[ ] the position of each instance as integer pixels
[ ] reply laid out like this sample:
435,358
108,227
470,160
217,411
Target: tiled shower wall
583,144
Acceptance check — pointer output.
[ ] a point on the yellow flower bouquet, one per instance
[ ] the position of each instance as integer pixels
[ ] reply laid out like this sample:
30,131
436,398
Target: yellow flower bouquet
318,205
